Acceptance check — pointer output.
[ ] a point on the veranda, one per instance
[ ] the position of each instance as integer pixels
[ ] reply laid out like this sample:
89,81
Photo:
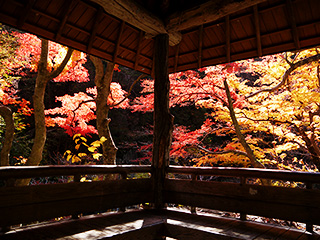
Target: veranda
157,39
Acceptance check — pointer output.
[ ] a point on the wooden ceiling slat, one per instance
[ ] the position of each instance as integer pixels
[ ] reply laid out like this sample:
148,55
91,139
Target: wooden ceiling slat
264,29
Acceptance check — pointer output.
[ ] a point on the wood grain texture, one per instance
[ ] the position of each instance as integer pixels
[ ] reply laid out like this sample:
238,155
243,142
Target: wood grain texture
163,120
206,13
150,224
35,203
46,171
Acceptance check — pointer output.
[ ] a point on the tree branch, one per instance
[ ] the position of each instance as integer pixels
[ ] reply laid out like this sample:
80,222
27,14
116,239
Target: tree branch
253,160
285,76
130,90
55,73
237,152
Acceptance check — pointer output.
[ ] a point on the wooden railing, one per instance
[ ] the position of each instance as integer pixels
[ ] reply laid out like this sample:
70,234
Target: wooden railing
242,194
43,202
237,191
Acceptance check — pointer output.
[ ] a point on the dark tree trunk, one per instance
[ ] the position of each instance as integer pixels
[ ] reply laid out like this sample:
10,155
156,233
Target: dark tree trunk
6,113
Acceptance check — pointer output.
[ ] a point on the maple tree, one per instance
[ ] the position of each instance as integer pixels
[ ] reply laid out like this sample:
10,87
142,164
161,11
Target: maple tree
286,112
78,110
51,62
11,106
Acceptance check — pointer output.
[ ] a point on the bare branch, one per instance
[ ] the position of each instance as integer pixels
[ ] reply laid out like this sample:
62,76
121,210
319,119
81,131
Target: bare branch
237,152
318,75
80,104
130,90
265,120
286,74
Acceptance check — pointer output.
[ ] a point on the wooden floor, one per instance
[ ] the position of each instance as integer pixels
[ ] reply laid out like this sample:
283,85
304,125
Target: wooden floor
149,224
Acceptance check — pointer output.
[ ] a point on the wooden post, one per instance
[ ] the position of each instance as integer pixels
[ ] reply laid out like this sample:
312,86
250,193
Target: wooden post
163,120
309,226
243,216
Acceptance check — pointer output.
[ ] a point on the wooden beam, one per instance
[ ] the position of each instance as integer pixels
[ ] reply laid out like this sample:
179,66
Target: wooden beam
115,55
163,120
292,20
65,14
200,46
207,12
132,13
26,12
228,38
136,62
94,28
257,28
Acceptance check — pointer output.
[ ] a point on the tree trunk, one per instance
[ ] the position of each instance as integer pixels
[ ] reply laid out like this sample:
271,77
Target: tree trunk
163,120
253,160
311,146
103,81
6,113
43,77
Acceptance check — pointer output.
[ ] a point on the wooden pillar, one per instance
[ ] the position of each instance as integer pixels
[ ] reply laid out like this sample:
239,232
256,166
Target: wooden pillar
163,120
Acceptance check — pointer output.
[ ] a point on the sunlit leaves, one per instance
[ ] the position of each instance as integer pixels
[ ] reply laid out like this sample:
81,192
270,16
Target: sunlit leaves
79,154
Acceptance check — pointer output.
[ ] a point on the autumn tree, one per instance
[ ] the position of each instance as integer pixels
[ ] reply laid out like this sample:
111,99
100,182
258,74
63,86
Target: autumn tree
284,103
79,110
52,62
205,87
9,101
276,109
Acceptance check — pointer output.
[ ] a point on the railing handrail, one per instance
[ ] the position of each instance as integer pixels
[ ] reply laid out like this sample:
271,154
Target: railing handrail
312,177
68,170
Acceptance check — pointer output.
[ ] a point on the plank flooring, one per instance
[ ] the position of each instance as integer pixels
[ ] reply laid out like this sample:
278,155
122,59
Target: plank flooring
151,224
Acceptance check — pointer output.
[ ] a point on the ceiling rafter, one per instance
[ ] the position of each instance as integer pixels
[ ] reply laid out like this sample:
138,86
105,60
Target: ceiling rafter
176,57
294,30
25,13
134,14
95,26
116,51
66,11
136,62
207,12
228,38
257,29
200,46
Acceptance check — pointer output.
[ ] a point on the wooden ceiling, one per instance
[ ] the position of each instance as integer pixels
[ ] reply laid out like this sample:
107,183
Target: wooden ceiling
209,33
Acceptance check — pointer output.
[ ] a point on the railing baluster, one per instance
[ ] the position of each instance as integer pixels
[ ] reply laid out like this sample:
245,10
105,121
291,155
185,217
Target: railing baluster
243,181
76,178
193,179
124,176
309,226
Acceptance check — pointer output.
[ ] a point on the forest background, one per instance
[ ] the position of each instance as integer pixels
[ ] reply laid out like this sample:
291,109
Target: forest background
261,112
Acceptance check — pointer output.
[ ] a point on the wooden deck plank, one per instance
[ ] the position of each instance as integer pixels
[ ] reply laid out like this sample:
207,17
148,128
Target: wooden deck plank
150,224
